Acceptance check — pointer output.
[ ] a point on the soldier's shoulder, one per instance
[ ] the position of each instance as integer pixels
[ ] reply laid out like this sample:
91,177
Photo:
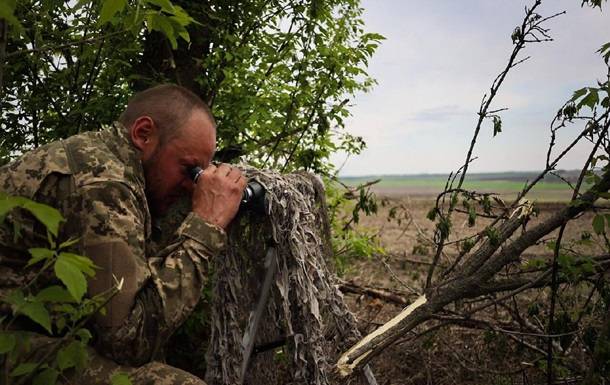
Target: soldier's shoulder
93,158
25,174
90,157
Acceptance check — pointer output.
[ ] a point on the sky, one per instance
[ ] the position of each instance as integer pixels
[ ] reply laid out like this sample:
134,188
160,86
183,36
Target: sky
437,61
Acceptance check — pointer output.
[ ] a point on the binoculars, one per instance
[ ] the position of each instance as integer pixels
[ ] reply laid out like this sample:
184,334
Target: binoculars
253,197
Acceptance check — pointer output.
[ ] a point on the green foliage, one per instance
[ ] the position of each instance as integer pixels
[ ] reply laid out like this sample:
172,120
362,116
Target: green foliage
71,270
497,125
7,12
284,89
535,263
7,342
49,216
492,235
443,226
593,3
472,216
587,96
350,242
605,52
279,75
591,97
467,245
120,378
60,310
599,224
111,8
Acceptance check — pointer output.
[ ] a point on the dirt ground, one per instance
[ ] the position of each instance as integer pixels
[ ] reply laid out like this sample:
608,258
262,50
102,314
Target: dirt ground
450,355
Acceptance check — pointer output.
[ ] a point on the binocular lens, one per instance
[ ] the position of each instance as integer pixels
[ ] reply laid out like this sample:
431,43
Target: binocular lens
253,196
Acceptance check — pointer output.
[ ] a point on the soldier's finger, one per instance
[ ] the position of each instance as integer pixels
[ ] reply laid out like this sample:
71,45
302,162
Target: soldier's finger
235,174
210,169
223,169
242,181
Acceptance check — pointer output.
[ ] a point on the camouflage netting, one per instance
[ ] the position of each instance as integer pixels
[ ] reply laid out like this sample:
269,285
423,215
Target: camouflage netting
305,309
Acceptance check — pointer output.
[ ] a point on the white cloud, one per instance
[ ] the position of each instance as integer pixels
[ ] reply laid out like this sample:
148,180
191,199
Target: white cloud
438,60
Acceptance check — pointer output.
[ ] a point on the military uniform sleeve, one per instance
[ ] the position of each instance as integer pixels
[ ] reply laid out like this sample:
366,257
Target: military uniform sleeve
159,291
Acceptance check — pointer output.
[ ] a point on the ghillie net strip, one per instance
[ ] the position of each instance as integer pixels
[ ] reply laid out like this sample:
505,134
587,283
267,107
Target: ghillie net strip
306,321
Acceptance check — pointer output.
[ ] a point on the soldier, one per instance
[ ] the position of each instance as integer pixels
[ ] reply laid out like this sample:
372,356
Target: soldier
109,185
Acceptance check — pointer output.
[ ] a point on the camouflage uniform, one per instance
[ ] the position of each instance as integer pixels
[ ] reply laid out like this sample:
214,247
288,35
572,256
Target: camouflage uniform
97,181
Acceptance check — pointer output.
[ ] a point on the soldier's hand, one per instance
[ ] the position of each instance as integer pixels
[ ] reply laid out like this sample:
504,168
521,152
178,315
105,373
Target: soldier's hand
218,193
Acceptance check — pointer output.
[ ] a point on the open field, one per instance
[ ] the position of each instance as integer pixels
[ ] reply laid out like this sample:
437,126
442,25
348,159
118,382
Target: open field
507,185
451,355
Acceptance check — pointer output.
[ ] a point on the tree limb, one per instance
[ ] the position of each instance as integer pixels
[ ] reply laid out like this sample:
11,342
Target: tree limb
466,284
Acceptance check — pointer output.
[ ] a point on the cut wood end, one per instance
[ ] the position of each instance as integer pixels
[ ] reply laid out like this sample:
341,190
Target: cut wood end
345,368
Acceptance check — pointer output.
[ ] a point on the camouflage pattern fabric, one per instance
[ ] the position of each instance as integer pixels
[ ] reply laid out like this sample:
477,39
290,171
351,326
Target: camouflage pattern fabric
97,181
100,370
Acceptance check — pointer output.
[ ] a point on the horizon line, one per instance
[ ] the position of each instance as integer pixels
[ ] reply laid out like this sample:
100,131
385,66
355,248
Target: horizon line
447,173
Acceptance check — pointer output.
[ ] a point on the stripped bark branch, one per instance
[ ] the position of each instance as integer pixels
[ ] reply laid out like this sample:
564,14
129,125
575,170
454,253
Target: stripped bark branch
467,281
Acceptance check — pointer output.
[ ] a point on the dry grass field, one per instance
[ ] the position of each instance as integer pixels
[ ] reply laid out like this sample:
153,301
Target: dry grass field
450,355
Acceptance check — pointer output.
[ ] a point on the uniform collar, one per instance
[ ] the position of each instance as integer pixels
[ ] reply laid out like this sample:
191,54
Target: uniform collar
125,151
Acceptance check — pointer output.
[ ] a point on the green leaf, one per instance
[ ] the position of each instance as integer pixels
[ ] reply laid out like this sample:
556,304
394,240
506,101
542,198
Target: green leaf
162,24
165,5
185,36
54,294
46,377
472,216
84,335
605,52
72,355
71,276
7,342
182,17
111,8
179,29
120,378
84,264
37,313
493,235
60,324
8,203
7,12
38,254
15,298
591,99
23,368
497,125
579,94
599,224
49,216
467,245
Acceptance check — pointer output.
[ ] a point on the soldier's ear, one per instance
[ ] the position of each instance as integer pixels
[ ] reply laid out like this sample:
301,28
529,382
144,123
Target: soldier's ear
144,135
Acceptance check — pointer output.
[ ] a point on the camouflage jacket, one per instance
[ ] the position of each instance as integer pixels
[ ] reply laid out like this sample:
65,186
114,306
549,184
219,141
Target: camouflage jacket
96,180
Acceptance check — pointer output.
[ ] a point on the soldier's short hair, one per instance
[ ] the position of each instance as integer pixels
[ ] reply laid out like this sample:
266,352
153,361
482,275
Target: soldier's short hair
169,106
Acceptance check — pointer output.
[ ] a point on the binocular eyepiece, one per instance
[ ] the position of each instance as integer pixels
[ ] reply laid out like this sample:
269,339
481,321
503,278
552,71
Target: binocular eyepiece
253,197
